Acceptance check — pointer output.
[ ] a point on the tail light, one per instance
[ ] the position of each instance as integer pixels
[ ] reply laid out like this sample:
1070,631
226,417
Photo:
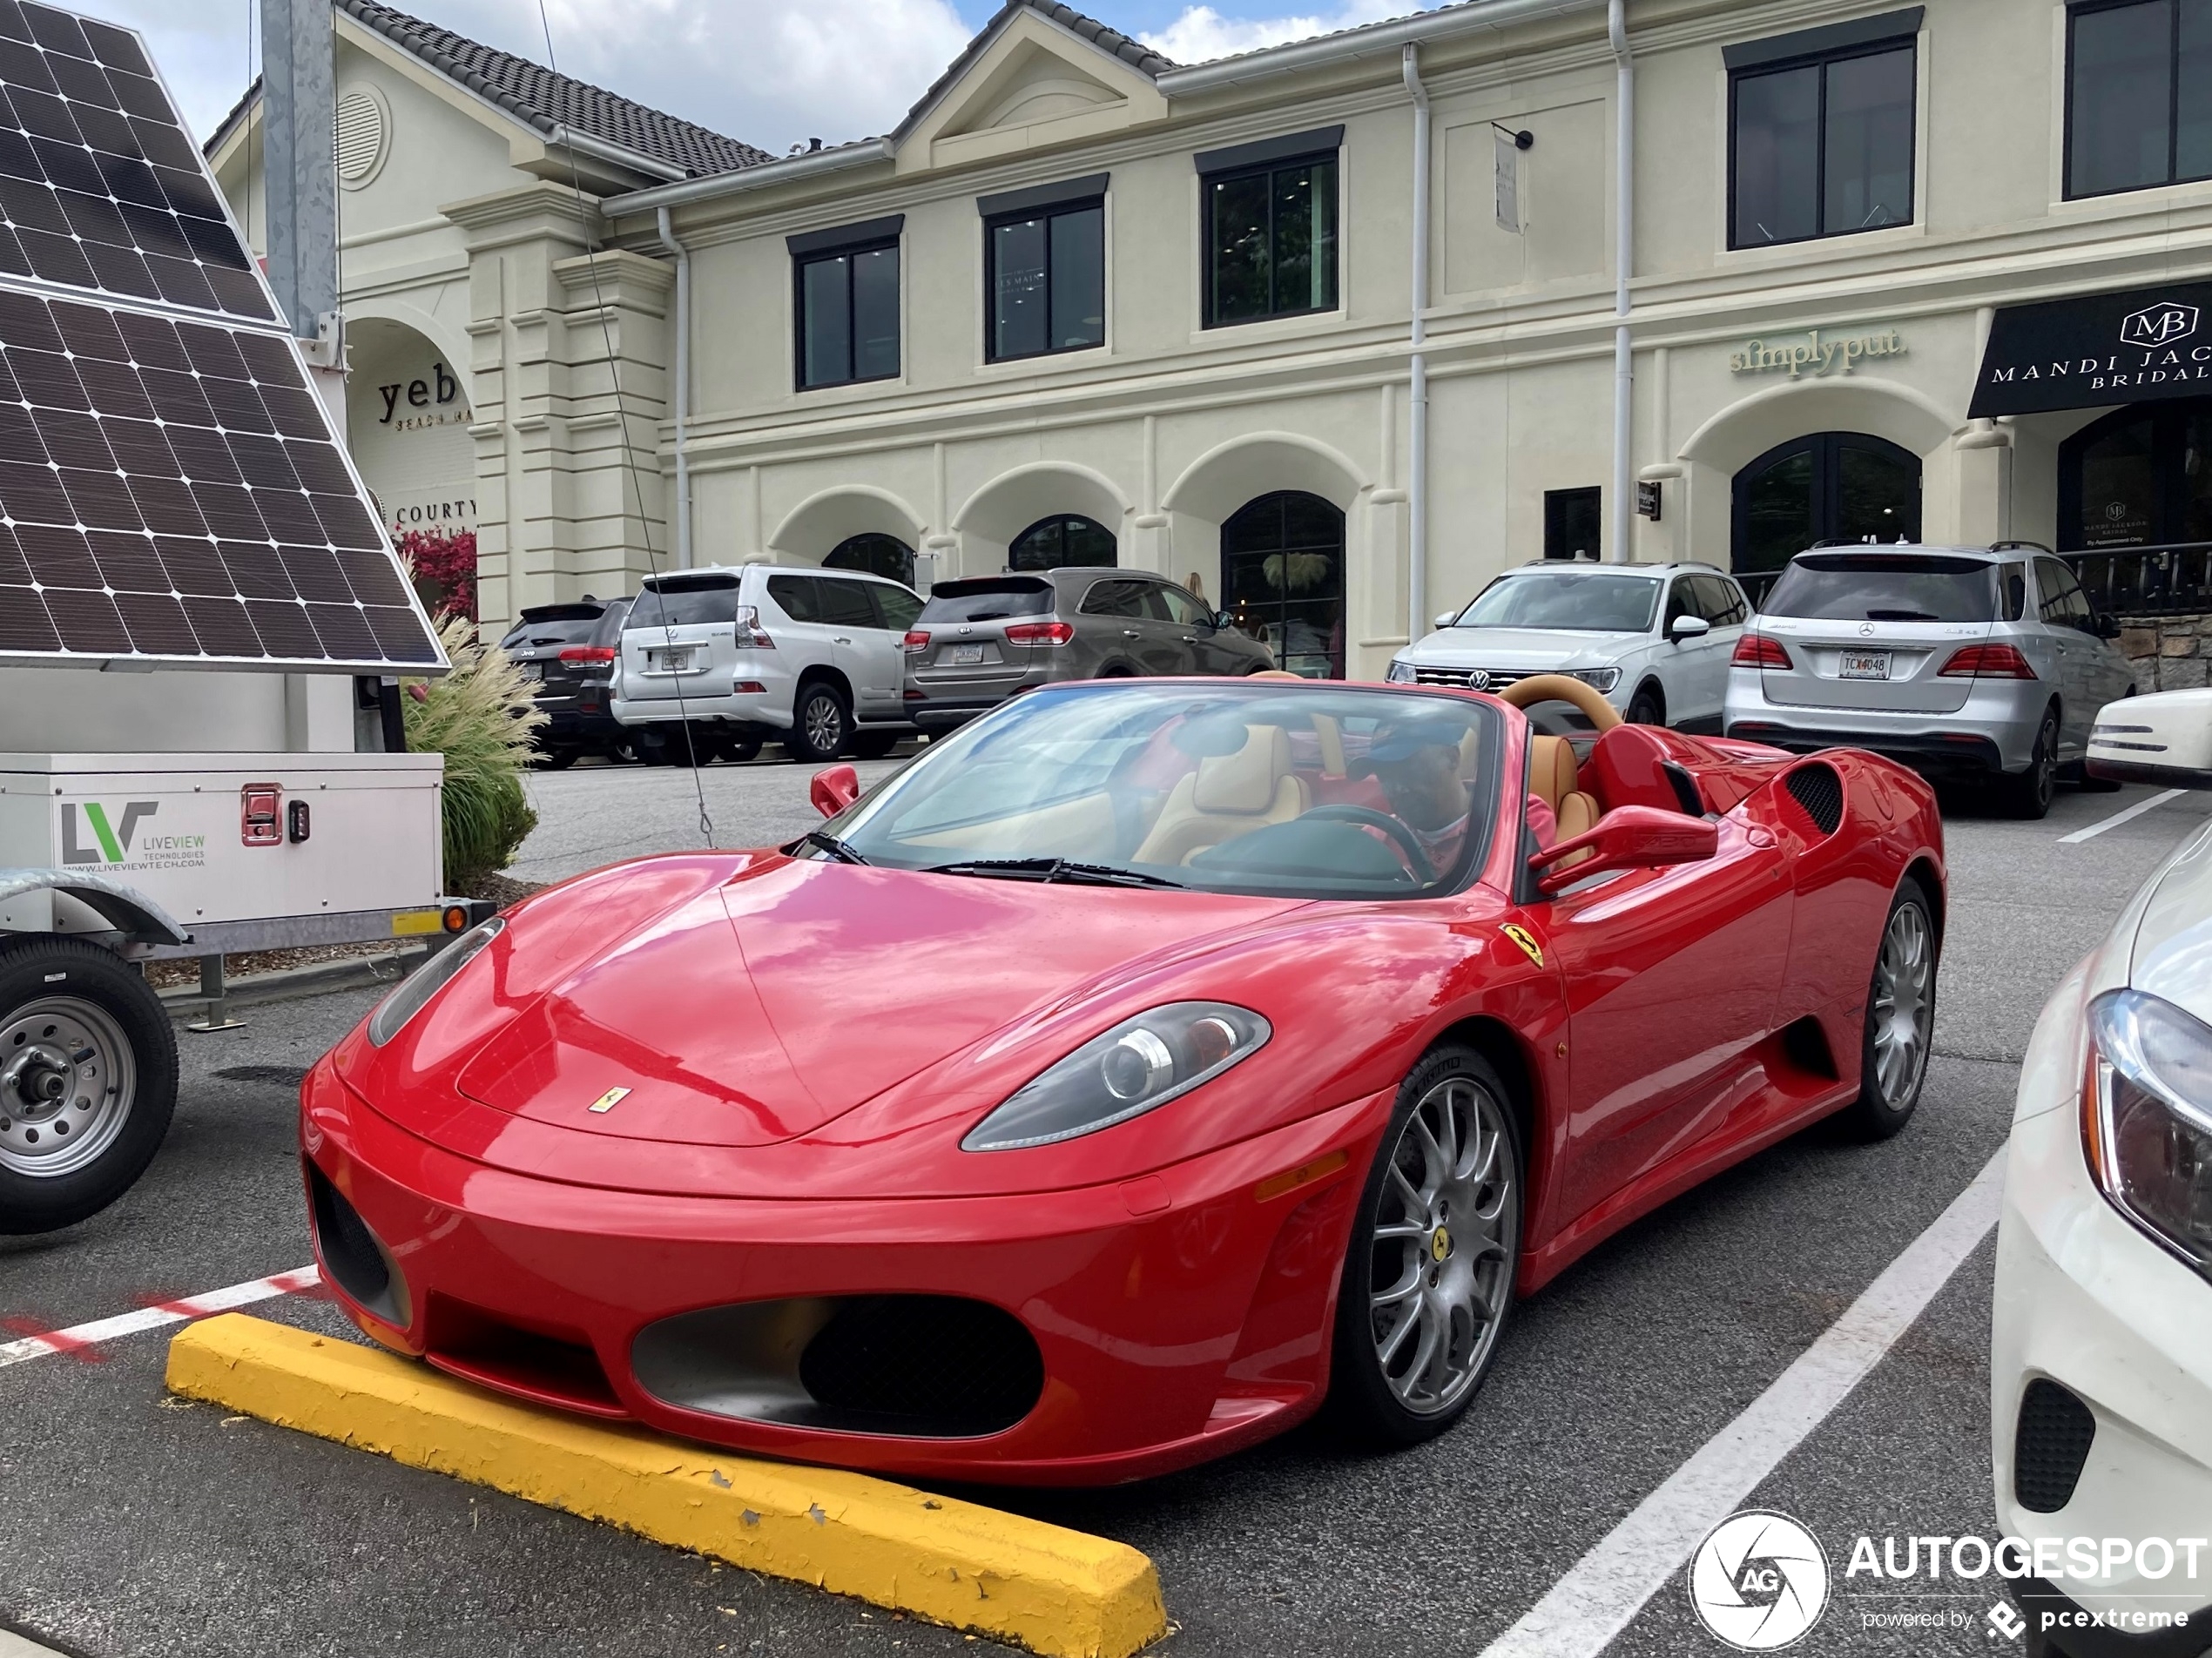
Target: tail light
915,642
1040,632
1757,651
588,653
750,634
1988,661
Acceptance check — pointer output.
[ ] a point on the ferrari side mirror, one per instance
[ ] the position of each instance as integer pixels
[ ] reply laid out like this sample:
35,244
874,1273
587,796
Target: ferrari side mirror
833,788
1628,838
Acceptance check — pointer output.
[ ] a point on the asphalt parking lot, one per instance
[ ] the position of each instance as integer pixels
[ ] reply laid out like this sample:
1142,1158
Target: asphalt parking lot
132,1525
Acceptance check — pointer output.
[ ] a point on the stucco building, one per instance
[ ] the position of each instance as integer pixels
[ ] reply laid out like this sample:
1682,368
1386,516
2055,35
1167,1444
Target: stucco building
1923,271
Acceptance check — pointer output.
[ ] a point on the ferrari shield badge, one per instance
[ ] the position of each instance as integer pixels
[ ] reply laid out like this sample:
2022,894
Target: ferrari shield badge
607,1102
1520,935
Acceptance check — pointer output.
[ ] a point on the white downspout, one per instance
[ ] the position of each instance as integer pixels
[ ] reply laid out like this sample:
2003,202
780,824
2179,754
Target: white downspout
1417,624
683,258
1624,224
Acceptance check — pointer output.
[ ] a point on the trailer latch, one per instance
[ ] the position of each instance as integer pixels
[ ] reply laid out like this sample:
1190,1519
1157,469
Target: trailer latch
261,814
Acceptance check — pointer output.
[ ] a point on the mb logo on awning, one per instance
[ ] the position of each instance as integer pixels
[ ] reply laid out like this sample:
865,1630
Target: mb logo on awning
2099,349
2158,325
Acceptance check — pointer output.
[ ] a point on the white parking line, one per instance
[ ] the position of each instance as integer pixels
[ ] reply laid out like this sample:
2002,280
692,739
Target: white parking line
2121,817
77,1337
1604,1590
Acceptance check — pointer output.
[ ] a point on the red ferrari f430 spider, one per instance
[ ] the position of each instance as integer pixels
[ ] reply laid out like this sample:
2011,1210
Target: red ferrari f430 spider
1137,1071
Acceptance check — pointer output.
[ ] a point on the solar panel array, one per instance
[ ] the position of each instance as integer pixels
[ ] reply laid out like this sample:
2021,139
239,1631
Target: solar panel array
169,484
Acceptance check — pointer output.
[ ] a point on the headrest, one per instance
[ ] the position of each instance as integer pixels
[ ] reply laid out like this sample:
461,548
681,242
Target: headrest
1246,781
1551,769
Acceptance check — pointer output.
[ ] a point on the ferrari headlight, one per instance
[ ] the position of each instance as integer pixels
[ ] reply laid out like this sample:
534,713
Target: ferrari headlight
1603,679
2147,1122
1400,673
408,997
1141,1063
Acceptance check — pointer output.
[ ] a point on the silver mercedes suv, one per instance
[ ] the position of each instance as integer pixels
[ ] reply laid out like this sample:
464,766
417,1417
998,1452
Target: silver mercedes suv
1984,662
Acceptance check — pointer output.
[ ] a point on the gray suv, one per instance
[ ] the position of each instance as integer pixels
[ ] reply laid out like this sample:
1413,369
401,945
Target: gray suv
978,642
1985,662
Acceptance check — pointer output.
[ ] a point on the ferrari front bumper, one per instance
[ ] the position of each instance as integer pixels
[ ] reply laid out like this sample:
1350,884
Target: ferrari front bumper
1175,1316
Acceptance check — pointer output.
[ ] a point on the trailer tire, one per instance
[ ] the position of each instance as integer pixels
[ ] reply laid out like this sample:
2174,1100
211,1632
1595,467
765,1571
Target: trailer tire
72,1013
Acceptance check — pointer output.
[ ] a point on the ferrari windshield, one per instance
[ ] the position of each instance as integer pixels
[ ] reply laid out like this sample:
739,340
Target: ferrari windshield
1583,600
1312,791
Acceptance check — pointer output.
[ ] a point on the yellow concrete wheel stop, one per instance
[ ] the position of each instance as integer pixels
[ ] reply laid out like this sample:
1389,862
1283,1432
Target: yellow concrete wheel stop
1039,1585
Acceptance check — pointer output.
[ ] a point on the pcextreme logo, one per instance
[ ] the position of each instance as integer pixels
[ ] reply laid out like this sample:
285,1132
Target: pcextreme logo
111,837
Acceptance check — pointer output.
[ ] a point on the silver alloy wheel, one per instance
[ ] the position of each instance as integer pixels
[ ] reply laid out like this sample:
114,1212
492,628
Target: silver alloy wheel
825,723
1442,1250
67,1081
1903,985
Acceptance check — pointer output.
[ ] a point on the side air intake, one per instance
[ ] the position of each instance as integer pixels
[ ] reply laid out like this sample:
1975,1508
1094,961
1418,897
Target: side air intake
1820,792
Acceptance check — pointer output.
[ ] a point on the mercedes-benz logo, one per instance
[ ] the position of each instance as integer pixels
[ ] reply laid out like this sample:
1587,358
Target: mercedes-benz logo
967,629
1865,630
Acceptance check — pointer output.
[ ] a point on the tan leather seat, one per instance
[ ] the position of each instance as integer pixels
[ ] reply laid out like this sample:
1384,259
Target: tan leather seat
1228,795
1552,775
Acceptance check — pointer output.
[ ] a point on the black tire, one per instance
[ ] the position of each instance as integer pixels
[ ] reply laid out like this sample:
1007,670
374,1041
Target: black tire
740,749
1366,1400
2028,795
71,983
873,744
1887,1102
557,760
821,722
1647,707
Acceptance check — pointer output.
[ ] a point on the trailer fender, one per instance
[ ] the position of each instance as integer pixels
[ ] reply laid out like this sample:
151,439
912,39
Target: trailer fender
122,906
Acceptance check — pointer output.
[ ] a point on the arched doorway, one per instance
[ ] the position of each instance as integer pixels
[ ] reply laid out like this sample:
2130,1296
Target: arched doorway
1826,486
1282,577
1064,539
2141,477
885,556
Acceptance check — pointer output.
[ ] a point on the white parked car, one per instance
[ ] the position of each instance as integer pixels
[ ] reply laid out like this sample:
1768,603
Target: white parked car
809,657
2101,1373
1655,638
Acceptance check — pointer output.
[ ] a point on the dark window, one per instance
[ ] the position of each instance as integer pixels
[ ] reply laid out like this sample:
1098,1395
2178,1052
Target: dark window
1044,277
1271,239
1822,145
682,601
895,608
2136,110
1827,486
2140,477
1885,587
1117,598
794,597
1681,601
987,598
848,315
2064,602
1185,610
844,604
1282,567
1057,543
884,556
1721,600
1571,519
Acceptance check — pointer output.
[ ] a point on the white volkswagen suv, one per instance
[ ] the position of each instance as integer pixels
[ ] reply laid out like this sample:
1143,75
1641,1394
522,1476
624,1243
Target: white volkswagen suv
809,657
1655,638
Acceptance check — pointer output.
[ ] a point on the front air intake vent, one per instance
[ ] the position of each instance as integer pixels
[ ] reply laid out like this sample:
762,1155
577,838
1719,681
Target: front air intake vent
351,1254
1820,792
2049,1447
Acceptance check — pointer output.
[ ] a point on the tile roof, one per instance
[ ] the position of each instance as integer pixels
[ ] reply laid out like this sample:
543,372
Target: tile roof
1134,52
544,98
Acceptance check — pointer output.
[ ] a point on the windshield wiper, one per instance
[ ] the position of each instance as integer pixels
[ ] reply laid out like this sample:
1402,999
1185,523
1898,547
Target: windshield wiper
839,851
1052,869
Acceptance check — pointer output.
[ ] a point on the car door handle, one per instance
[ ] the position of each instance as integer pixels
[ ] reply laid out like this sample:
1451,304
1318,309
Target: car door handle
839,638
1132,633
1190,638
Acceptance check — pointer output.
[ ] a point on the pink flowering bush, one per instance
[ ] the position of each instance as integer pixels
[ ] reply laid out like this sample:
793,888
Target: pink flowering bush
444,567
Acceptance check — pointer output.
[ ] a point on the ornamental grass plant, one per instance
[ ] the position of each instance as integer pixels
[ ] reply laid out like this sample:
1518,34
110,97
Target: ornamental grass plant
480,717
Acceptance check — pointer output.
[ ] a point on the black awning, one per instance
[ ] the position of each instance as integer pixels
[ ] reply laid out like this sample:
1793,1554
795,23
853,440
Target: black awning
2131,348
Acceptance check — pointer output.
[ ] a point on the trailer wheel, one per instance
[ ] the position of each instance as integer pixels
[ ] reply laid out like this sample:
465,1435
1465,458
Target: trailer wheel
88,1081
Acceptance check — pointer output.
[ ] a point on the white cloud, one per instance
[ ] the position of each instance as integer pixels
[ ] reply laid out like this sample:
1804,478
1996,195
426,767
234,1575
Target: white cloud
1202,34
772,72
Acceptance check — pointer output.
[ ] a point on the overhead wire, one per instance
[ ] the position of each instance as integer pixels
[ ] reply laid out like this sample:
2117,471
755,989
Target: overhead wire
630,456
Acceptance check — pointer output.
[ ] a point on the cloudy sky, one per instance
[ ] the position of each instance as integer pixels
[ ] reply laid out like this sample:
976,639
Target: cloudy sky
772,72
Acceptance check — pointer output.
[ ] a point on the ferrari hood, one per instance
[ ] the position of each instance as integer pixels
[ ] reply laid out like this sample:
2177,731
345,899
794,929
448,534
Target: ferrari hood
762,1009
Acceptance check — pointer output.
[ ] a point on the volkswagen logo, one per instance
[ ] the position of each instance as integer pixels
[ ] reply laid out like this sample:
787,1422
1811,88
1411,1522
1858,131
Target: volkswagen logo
1478,679
1759,1582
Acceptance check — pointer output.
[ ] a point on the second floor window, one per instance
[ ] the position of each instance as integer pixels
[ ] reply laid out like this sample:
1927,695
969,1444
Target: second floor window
1045,277
1820,141
848,308
1270,236
2137,112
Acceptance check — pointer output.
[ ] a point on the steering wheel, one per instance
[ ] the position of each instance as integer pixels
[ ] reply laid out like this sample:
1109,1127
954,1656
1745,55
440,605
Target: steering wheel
1416,854
1560,688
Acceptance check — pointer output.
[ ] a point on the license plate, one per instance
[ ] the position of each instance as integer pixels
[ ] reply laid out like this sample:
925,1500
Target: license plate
967,656
531,670
670,661
1864,664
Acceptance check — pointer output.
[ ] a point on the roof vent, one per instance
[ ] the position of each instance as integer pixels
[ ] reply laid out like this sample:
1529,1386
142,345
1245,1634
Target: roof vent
364,128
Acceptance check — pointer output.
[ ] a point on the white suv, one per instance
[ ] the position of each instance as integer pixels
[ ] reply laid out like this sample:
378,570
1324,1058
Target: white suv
807,656
1655,638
